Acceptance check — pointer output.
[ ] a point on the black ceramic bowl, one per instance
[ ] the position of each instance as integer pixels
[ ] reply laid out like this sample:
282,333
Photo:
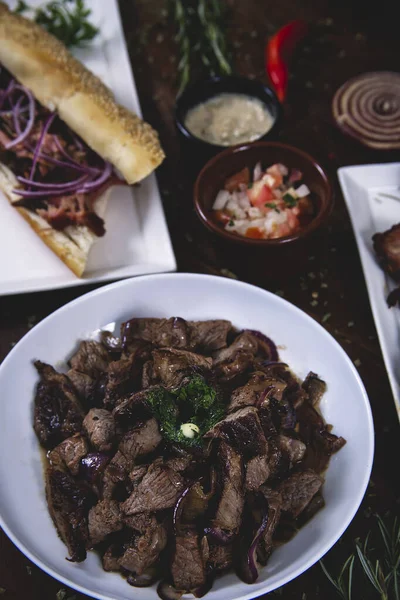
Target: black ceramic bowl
208,88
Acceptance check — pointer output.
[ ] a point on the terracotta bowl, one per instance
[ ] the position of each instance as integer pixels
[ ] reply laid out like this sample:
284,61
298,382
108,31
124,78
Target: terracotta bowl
213,175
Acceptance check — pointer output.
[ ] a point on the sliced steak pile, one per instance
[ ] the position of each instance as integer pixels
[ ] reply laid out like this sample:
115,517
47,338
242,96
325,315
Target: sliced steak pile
181,451
58,413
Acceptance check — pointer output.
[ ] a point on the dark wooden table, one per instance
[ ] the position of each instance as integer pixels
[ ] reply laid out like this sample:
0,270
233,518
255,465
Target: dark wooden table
323,277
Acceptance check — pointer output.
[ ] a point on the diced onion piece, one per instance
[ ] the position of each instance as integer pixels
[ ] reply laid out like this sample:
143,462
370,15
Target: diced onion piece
302,191
234,209
254,212
220,201
243,200
257,173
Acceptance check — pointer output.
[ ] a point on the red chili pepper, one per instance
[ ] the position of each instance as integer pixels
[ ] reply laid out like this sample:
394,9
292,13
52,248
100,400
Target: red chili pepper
278,52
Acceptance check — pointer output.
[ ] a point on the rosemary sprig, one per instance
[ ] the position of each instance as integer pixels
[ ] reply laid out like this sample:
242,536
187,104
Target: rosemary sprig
200,36
210,15
379,565
343,583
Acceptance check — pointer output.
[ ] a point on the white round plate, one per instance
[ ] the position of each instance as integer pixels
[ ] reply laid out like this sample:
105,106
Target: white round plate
303,344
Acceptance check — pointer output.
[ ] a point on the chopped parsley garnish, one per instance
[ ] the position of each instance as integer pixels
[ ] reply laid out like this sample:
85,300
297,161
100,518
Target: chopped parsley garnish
194,402
290,200
249,185
272,205
231,223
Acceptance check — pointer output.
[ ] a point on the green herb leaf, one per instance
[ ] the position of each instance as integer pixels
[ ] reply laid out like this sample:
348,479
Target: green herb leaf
200,33
193,402
290,200
21,7
231,223
65,19
272,205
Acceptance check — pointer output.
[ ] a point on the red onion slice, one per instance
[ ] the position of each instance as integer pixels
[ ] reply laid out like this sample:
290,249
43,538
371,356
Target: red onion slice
97,182
367,108
265,344
54,186
70,159
247,568
166,591
28,128
45,129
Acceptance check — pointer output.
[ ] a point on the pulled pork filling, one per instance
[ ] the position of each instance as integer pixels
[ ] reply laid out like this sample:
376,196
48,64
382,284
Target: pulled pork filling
59,176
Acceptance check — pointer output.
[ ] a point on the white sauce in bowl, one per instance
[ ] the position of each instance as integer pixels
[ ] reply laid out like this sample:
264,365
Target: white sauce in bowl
229,119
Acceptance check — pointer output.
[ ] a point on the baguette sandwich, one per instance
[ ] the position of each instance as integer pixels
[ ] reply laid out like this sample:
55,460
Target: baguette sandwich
64,141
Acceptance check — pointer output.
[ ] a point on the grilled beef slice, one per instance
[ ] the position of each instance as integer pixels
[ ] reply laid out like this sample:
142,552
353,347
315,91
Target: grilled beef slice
84,385
170,365
69,502
265,545
188,566
220,558
259,386
100,428
69,453
314,387
228,515
244,341
103,519
123,378
242,429
140,441
91,358
387,248
144,549
115,476
163,333
57,413
293,448
298,490
207,337
257,472
159,489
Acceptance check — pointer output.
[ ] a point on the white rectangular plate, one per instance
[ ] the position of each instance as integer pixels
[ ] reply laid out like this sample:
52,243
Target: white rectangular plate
137,241
366,189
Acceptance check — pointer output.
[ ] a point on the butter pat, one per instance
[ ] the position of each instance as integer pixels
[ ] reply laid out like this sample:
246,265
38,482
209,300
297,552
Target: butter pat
190,430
